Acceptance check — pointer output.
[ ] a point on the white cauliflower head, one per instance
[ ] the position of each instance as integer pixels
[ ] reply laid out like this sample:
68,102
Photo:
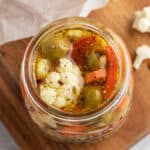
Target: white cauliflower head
63,85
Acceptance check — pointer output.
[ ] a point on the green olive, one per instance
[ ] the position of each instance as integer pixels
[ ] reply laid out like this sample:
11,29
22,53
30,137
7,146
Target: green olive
93,61
92,97
55,48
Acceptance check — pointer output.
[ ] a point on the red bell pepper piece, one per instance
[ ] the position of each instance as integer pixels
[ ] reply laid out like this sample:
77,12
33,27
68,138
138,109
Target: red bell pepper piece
111,72
80,49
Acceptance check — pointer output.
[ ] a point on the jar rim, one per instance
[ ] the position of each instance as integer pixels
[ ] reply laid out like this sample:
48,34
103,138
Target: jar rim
35,97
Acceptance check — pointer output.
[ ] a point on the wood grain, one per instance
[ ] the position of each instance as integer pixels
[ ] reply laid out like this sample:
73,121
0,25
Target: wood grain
118,15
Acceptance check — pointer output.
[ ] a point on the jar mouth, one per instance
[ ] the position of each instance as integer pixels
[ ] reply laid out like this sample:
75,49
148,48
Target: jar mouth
28,80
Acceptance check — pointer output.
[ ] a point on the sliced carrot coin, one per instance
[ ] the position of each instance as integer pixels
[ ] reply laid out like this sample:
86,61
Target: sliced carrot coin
95,76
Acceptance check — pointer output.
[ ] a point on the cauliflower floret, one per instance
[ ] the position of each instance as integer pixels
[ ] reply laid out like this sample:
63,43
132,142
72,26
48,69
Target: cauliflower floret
72,79
60,102
64,85
75,33
142,52
53,79
69,92
146,11
68,77
142,20
66,92
65,65
75,70
42,68
47,94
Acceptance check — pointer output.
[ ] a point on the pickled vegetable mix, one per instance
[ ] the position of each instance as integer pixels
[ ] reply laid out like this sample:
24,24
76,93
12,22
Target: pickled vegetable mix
76,71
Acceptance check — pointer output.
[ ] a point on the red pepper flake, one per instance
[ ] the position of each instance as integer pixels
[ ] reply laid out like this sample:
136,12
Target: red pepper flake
80,49
111,72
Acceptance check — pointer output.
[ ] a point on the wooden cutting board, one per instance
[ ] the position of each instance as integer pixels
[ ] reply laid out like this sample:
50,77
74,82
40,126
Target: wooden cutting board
118,15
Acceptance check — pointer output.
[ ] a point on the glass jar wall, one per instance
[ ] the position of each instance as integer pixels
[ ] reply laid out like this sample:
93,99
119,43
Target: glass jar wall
64,127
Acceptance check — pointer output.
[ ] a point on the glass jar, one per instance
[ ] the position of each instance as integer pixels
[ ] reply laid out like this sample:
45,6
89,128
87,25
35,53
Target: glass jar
64,127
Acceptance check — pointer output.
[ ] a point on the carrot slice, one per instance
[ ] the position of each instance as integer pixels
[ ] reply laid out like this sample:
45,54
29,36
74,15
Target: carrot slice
111,72
95,76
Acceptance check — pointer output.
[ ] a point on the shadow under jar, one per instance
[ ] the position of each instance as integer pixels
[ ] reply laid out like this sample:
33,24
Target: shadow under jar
77,123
